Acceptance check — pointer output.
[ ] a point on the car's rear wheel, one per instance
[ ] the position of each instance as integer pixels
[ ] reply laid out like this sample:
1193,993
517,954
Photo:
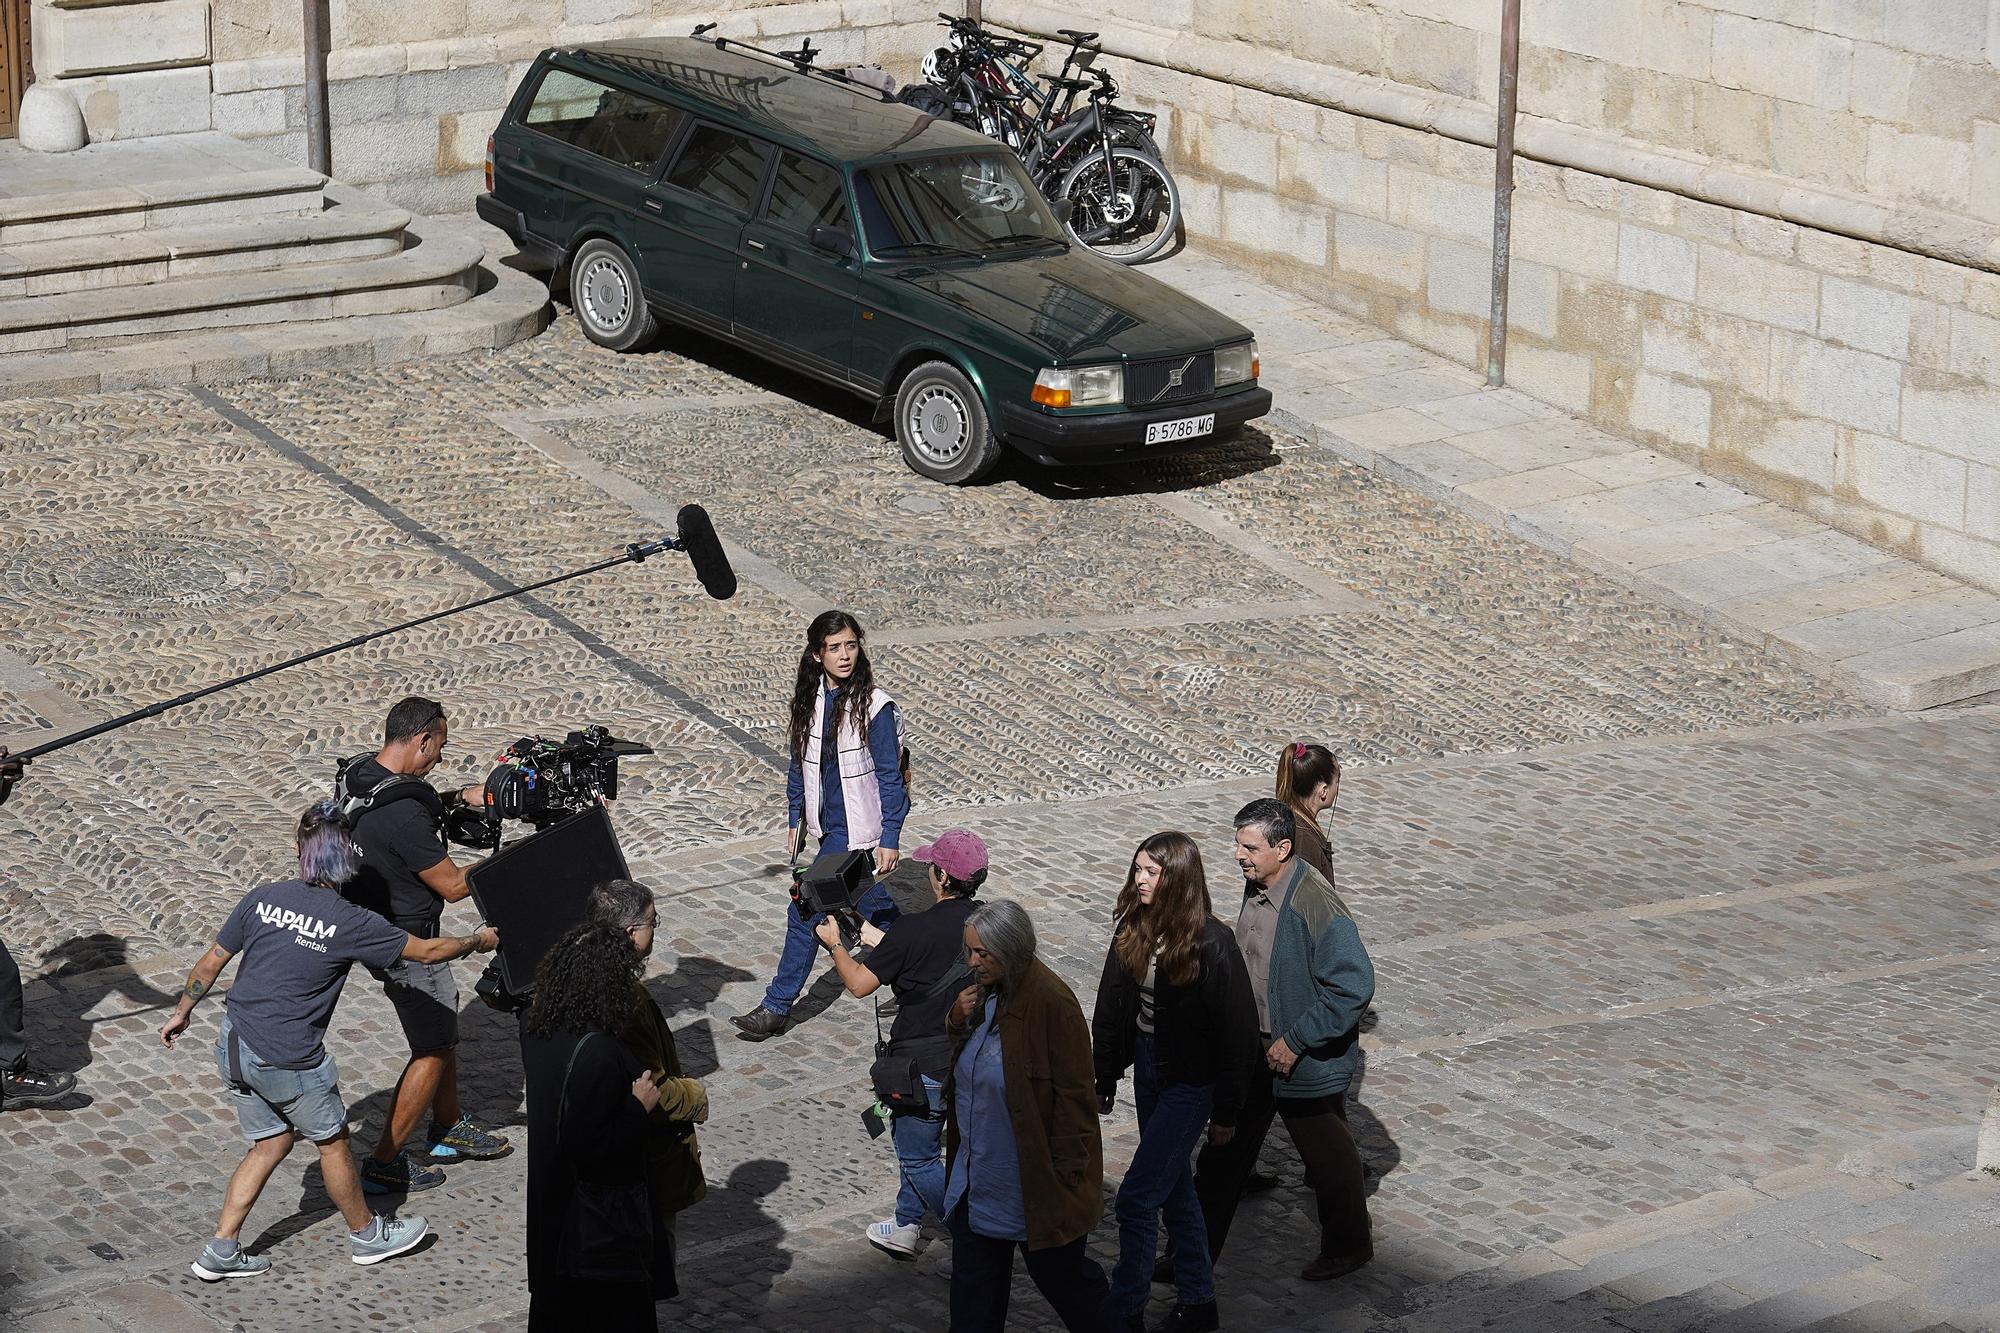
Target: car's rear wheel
610,304
942,425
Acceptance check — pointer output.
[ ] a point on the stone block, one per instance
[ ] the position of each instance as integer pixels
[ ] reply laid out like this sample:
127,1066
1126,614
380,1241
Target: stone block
361,101
1961,420
1657,261
584,13
1853,388
129,106
1562,378
366,62
1600,316
1246,153
1733,124
70,43
1675,38
1716,349
1955,29
1437,206
250,115
1881,85
1859,19
1975,346
437,92
1781,61
1982,502
1461,282
1261,221
1935,671
1812,144
385,150
1926,486
1609,32
1764,290
1425,54
1918,168
1680,412
1873,319
1569,239
1344,36
1562,86
1984,189
242,76
1386,255
462,141
1346,179
380,22
1796,448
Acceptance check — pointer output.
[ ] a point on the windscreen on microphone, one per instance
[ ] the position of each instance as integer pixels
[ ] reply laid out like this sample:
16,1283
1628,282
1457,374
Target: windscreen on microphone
704,550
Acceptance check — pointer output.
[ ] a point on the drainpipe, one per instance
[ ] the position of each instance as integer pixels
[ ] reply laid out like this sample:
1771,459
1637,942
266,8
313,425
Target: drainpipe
1503,189
318,34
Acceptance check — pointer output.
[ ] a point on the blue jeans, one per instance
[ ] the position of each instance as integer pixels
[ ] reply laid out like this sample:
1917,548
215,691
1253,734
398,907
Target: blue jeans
920,1160
796,963
1161,1180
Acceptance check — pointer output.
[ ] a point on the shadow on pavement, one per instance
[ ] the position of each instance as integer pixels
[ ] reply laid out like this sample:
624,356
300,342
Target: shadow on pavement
88,970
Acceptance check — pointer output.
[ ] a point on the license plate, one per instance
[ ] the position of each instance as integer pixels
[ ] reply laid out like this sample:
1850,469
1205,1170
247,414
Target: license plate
1182,428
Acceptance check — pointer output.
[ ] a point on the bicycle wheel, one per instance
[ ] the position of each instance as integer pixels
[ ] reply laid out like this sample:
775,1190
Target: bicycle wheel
1128,212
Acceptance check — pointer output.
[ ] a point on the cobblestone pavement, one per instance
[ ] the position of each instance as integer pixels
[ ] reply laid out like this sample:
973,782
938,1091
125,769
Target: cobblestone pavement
1684,956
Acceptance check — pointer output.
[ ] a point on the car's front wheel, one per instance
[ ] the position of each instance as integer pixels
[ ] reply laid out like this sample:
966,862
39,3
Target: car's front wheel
604,291
942,425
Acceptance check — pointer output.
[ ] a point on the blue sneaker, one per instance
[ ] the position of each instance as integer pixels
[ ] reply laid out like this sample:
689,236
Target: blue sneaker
403,1175
466,1140
212,1267
393,1235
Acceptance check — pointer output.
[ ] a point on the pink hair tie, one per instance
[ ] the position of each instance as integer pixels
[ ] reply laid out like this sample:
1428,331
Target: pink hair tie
1298,749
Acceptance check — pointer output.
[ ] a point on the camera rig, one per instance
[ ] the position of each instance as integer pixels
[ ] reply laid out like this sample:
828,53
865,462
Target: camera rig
540,782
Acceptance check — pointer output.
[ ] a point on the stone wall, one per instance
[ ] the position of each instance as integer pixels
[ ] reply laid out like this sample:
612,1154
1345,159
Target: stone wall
414,88
1835,352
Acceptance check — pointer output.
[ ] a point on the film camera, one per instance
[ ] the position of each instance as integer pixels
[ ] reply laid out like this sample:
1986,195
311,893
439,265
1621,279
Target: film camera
832,884
542,782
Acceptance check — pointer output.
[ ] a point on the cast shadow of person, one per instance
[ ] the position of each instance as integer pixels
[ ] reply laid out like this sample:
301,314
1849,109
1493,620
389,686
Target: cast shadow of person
1379,1152
732,1213
87,971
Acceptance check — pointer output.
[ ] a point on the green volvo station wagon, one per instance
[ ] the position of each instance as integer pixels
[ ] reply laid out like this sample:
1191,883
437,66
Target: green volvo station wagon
905,259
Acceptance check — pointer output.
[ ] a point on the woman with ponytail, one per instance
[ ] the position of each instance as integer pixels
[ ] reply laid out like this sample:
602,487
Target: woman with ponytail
1175,1006
1309,782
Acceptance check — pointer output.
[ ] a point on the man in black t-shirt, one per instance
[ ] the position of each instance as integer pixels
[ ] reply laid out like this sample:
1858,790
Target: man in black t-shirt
407,876
918,958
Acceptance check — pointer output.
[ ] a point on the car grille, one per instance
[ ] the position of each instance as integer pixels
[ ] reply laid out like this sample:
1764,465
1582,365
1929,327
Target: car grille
1151,383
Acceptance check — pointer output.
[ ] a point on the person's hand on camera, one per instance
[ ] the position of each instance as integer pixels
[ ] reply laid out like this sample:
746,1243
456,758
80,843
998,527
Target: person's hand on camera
647,1091
1220,1135
474,795
885,859
11,770
871,934
828,932
485,940
171,1030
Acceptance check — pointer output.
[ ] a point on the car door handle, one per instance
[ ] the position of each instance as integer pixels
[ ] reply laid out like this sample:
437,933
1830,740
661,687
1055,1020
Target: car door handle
756,245
653,204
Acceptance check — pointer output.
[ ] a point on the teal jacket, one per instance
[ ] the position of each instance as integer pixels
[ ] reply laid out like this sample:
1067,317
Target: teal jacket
1321,983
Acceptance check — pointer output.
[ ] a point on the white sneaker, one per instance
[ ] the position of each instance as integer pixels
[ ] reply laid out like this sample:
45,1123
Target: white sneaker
891,1239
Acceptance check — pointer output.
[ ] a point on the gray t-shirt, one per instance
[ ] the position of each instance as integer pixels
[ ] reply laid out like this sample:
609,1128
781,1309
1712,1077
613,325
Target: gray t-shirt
296,943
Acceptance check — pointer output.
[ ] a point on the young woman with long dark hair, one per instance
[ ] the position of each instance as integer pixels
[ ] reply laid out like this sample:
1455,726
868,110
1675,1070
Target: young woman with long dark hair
1175,1006
1309,782
590,1215
845,787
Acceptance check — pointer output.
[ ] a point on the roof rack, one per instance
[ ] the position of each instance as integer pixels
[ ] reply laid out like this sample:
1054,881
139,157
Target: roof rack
800,60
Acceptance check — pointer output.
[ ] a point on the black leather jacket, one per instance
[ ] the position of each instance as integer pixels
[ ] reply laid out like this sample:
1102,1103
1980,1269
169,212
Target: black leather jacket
1203,1033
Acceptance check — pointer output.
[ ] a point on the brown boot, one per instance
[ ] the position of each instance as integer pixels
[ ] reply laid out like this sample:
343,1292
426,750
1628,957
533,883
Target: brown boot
760,1023
1330,1266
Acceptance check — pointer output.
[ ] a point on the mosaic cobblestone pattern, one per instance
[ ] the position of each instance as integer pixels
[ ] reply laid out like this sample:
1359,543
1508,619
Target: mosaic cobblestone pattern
1633,886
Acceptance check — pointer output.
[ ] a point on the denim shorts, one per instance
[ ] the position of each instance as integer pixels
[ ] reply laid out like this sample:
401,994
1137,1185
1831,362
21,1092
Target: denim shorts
271,1101
426,999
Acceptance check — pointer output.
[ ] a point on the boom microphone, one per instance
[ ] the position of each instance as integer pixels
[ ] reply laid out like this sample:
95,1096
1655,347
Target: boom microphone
705,553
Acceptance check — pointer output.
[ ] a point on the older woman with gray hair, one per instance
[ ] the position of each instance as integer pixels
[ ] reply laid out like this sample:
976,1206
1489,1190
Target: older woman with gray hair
1026,1163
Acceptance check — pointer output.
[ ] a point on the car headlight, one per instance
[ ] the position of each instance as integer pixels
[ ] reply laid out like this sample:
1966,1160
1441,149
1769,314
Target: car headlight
1235,364
1080,386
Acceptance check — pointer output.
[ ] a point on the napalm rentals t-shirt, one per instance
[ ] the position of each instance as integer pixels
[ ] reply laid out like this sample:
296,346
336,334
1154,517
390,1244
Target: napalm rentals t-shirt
294,944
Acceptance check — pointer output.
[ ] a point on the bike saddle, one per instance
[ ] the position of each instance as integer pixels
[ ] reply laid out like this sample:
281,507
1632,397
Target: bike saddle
1075,37
1077,84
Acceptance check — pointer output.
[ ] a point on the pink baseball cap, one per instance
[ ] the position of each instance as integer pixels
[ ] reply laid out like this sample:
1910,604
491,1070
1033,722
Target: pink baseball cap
958,852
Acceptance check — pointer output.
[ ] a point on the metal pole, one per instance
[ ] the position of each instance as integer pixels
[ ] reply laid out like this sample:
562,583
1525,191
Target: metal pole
318,35
1503,189
972,8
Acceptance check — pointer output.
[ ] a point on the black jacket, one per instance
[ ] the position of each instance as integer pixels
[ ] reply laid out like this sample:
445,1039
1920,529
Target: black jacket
1203,1033
589,1216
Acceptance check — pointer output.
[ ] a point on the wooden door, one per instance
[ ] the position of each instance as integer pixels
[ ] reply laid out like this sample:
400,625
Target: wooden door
16,69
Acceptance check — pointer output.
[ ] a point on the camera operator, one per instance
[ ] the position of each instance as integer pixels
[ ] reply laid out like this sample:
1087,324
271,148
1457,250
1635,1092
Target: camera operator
20,1083
918,958
407,877
846,786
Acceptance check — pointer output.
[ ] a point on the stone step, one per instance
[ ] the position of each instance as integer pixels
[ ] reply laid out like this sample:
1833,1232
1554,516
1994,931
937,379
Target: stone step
108,209
508,306
354,230
438,269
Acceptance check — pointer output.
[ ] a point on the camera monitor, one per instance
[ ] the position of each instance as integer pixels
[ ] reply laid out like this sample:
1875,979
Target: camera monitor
835,881
534,890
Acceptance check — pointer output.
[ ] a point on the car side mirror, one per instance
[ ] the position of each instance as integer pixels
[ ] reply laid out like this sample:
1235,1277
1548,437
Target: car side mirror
1063,209
833,240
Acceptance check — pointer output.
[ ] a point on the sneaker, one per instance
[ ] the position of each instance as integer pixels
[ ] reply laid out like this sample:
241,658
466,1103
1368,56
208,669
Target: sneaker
212,1267
468,1140
400,1176
898,1241
393,1235
22,1086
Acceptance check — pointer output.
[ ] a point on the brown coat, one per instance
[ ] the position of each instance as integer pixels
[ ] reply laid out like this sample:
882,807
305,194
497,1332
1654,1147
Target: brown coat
1052,1095
1309,844
673,1157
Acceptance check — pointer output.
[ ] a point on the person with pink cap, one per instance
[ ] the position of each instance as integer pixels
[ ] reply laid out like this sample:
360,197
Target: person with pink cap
918,957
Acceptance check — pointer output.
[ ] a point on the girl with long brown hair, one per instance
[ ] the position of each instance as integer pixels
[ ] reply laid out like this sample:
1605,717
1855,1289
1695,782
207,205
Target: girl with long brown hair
1174,1005
1309,782
845,787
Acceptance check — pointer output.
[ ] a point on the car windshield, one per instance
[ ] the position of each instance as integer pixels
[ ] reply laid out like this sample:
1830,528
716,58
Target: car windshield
965,204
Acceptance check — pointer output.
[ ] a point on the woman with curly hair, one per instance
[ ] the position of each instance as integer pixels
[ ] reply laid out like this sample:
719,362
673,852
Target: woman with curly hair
847,787
1175,1006
590,1224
